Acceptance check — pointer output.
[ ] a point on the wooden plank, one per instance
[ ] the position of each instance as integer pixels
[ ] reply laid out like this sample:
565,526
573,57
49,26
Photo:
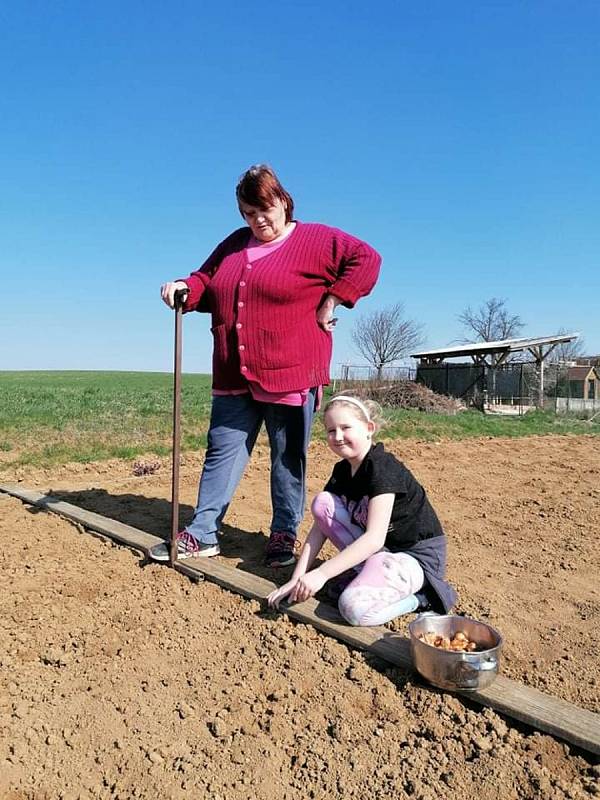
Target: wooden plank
125,534
541,711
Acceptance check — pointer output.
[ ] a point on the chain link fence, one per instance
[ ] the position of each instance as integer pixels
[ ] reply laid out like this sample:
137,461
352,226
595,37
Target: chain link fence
362,377
349,373
516,387
509,388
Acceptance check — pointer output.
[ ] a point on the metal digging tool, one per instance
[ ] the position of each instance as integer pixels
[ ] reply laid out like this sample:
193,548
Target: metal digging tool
179,300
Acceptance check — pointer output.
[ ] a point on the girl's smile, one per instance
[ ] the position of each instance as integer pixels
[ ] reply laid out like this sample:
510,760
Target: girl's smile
347,434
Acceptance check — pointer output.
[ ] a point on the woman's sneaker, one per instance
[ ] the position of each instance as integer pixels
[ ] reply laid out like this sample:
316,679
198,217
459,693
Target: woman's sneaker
187,547
280,550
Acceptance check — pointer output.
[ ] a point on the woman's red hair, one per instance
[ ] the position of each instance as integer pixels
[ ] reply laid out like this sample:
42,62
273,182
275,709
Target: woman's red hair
259,186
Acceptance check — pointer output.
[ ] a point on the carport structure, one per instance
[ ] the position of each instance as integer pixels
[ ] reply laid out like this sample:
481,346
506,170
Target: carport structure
495,354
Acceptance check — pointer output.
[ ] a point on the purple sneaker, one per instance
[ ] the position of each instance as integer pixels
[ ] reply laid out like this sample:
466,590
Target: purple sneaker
187,547
280,550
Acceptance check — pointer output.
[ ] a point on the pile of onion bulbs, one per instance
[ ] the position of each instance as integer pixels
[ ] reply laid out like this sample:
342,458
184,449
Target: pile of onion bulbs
460,642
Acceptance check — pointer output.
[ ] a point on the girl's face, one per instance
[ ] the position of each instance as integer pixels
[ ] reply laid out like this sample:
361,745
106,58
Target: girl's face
265,223
348,435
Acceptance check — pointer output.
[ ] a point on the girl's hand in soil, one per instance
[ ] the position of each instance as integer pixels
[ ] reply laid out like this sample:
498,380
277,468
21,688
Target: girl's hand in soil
279,594
312,547
307,586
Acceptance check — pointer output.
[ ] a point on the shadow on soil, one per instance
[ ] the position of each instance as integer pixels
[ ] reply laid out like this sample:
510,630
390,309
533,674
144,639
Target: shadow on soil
243,549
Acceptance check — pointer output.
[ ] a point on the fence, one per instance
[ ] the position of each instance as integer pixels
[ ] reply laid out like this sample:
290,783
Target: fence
348,372
510,387
516,385
577,404
356,377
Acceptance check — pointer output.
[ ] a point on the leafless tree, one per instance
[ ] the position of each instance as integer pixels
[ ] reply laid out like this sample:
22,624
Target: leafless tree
491,322
385,336
566,351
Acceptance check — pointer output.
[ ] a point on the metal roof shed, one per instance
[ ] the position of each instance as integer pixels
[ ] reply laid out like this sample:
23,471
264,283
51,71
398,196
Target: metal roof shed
493,354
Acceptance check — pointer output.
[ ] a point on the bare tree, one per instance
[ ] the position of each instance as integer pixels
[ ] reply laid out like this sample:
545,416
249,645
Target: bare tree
491,322
566,351
385,336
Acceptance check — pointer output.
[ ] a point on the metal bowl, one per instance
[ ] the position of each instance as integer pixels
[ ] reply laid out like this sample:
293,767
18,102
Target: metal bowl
455,670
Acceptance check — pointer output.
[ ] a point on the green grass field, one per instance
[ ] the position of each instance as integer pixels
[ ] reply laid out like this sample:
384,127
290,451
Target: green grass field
54,417
49,418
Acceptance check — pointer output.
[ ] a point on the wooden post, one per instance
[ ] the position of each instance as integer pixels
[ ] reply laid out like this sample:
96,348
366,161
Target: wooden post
537,353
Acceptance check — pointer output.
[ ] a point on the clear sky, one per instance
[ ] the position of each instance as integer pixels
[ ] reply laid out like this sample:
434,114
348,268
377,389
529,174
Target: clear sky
460,139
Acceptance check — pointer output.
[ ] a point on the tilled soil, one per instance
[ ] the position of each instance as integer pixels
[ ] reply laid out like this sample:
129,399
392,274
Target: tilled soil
123,679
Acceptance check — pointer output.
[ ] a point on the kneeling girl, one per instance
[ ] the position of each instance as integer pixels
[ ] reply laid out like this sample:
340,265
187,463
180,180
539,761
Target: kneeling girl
392,549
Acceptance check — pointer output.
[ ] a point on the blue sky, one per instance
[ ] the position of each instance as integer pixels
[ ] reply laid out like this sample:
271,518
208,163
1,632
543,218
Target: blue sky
460,139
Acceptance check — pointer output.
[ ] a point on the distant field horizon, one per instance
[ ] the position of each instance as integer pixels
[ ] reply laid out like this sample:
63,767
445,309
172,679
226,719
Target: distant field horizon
95,371
50,417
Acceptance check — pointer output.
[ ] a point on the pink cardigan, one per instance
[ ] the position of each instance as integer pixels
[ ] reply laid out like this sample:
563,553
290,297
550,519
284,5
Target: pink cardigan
264,314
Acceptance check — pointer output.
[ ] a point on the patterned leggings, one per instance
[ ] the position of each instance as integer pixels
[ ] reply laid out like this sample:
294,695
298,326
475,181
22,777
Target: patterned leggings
385,585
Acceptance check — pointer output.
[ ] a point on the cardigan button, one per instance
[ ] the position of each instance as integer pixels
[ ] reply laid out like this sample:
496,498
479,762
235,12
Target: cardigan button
244,369
238,325
241,304
242,347
242,283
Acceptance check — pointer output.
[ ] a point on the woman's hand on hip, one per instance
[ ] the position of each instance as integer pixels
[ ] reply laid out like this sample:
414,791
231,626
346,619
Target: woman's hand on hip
167,291
325,311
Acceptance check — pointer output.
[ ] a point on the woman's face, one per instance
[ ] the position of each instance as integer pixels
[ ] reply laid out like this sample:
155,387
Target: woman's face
265,223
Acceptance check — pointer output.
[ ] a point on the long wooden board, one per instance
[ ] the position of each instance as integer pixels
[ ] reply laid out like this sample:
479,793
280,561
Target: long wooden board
125,534
541,711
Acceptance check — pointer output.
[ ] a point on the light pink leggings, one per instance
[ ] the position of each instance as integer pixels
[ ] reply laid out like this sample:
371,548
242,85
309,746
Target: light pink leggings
385,585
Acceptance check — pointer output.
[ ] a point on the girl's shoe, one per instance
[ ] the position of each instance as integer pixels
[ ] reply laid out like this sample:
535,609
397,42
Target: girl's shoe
424,604
187,547
335,587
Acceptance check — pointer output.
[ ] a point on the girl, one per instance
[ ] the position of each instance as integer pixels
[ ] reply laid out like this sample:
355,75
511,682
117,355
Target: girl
379,518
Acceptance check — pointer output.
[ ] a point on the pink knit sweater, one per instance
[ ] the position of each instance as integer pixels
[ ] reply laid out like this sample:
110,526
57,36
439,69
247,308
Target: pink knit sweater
264,314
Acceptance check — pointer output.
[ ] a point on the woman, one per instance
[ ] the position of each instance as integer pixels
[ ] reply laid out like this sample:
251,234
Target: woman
271,289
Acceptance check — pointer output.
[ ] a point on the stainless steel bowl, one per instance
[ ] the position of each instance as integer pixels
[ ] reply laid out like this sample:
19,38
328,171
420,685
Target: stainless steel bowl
455,670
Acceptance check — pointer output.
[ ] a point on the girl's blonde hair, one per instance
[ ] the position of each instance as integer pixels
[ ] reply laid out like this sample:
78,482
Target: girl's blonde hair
364,409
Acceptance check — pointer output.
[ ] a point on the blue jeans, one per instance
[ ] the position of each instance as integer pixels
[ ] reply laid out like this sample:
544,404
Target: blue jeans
235,422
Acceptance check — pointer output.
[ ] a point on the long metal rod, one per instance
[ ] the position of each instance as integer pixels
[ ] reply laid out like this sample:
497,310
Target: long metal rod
179,300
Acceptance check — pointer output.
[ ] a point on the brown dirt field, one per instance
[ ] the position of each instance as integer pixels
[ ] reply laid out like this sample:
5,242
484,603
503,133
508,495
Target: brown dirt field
125,680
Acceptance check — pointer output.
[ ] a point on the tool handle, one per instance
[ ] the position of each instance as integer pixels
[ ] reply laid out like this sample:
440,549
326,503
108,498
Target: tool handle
178,301
179,297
